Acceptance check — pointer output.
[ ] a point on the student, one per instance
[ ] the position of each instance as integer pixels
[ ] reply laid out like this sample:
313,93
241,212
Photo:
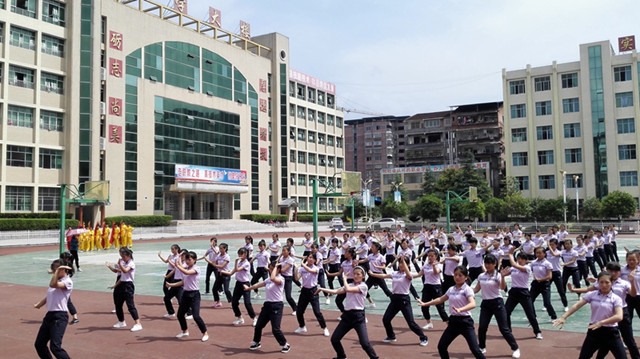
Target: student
622,288
570,264
346,271
554,256
633,302
490,283
307,243
271,309
473,255
590,256
66,259
73,249
169,275
190,283
529,246
432,287
506,249
248,245
174,291
516,235
315,250
583,269
309,273
274,247
541,284
210,257
124,290
376,264
353,316
242,270
598,249
519,292
461,302
606,312
287,263
222,265
614,246
262,266
449,264
55,321
362,251
333,262
400,301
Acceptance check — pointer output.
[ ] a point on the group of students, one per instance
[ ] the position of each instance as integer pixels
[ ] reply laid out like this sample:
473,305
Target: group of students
352,259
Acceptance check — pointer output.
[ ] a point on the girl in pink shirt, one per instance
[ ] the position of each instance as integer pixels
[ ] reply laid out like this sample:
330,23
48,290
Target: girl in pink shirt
242,269
190,284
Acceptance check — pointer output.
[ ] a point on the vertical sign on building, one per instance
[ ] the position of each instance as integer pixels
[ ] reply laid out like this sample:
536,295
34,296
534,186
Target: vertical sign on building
180,5
626,43
115,106
245,30
215,17
115,134
115,40
115,67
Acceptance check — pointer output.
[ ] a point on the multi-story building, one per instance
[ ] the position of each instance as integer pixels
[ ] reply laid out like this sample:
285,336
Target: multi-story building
575,122
427,139
179,115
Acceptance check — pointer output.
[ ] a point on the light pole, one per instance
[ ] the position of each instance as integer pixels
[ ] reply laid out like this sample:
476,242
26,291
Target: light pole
576,178
564,193
366,197
397,186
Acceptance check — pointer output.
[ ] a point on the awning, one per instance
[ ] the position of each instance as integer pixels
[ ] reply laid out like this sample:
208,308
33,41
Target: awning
289,202
183,186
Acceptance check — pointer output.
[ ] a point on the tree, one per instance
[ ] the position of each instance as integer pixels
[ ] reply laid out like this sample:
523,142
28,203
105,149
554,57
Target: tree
358,210
515,206
428,207
496,208
473,210
551,209
618,204
429,182
510,187
590,208
390,208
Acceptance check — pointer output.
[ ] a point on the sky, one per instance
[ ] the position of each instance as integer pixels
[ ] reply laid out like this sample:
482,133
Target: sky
409,56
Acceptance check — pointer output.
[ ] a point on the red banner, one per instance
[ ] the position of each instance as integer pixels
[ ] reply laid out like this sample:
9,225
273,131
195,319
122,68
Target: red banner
626,43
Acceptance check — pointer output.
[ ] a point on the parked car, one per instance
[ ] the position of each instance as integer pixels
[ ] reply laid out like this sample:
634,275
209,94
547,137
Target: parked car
387,223
336,223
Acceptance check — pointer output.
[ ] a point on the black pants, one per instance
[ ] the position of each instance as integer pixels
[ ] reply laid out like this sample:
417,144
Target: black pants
207,278
221,281
556,277
606,338
288,284
583,269
494,307
574,273
447,282
614,249
371,281
308,296
261,272
430,292
74,257
341,297
543,288
334,268
523,297
474,272
321,281
71,307
624,326
459,325
191,302
608,253
633,305
271,312
389,258
238,292
352,319
122,293
591,265
165,290
401,303
51,331
600,258
176,292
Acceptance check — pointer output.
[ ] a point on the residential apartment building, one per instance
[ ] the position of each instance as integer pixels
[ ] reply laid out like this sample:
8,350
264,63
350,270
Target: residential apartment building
575,122
180,116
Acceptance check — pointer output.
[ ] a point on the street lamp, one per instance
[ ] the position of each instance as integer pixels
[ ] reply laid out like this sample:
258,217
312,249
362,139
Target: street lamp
564,193
576,178
367,197
397,186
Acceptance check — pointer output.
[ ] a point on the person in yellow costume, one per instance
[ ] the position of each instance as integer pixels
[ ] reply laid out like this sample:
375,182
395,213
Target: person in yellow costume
130,235
98,236
116,236
90,235
105,235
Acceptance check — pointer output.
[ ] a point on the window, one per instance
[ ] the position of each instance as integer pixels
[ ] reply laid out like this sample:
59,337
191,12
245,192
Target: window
569,80
570,105
629,178
50,159
547,182
573,155
572,179
51,83
302,157
48,199
292,156
302,180
518,111
18,198
626,125
22,38
339,142
320,117
301,135
300,91
339,162
311,136
571,130
24,7
523,183
543,108
311,95
21,77
330,120
312,158
331,161
20,116
330,140
292,89
322,160
2,24
51,121
52,46
330,100
627,152
19,156
624,99
519,135
516,87
53,12
520,159
542,83
293,179
544,133
292,110
312,115
302,112
320,98
622,73
321,138
545,157
339,122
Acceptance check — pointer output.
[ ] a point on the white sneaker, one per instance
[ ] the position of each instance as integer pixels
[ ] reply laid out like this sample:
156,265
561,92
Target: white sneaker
516,354
136,328
182,335
205,337
566,309
371,305
255,321
327,301
483,350
189,317
301,330
257,296
238,321
366,320
79,270
113,311
325,332
428,326
539,336
293,313
120,325
169,315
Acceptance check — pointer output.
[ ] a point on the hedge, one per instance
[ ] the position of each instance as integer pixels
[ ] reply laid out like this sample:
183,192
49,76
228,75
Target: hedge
52,215
33,224
308,217
265,218
140,221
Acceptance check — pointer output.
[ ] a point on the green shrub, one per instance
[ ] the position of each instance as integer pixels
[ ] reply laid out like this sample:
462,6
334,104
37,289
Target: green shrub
322,217
34,224
52,215
265,218
140,221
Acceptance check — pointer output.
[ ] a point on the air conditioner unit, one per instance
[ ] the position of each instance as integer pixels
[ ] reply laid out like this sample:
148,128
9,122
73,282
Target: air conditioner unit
103,74
103,144
103,108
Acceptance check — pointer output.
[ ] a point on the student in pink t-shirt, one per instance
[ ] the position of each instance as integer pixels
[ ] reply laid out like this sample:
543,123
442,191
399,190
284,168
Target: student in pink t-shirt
309,274
190,284
242,269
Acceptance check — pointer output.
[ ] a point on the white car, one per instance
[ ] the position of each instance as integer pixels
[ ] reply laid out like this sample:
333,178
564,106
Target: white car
387,223
336,223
